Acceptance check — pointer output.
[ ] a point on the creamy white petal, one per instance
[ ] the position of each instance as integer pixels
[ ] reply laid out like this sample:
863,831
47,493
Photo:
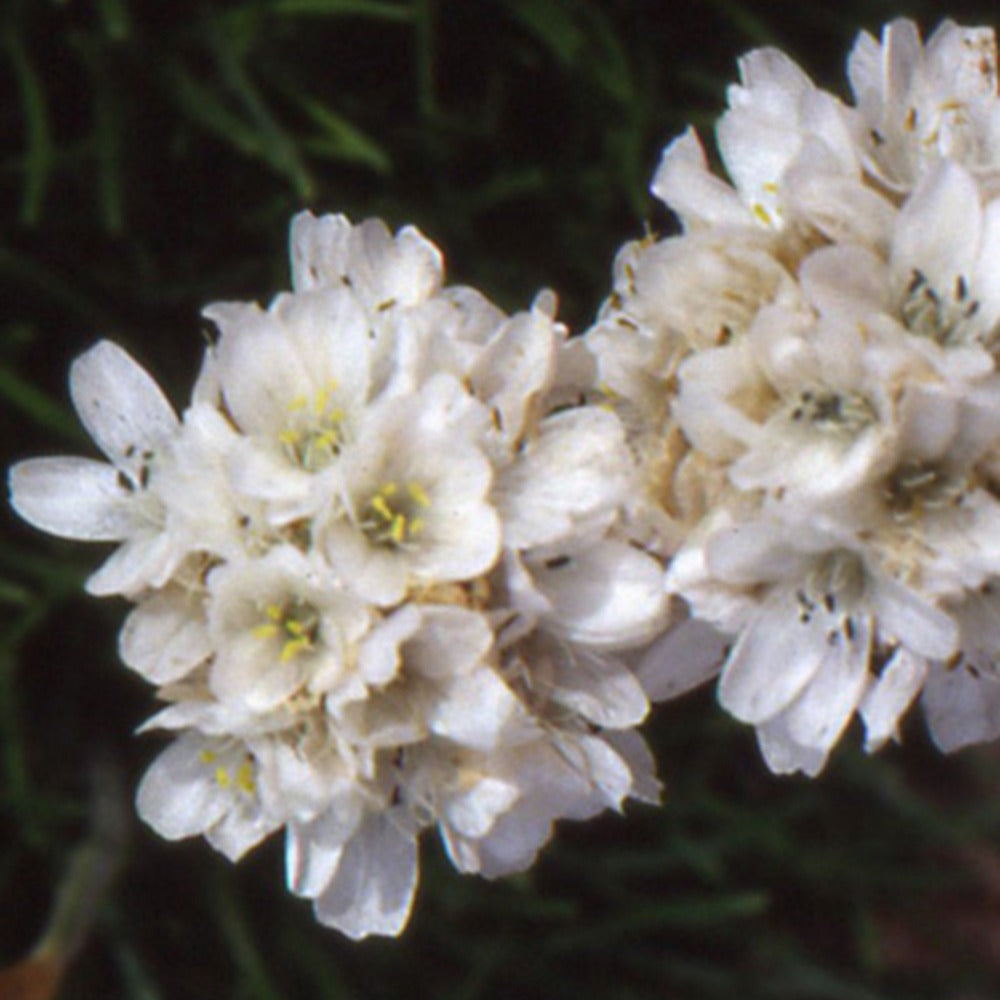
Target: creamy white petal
372,889
574,473
889,696
820,714
144,561
687,656
178,796
610,595
73,498
962,707
475,711
773,660
686,185
165,637
600,689
783,754
120,405
473,811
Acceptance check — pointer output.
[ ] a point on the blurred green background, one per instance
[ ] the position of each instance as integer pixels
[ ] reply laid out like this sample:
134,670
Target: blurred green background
151,156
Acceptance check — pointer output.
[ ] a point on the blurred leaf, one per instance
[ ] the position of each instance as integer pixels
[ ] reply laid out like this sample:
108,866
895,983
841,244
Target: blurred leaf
38,155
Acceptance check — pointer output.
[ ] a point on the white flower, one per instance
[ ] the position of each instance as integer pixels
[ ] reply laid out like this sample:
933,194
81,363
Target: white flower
200,785
412,505
295,380
281,625
131,421
925,103
938,282
379,574
815,612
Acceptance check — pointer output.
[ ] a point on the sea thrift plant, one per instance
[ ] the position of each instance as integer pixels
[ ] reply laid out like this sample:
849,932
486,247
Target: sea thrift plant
406,561
808,372
374,572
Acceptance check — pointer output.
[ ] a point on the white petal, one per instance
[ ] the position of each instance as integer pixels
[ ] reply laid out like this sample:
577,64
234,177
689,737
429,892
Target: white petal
690,654
473,812
773,660
906,618
450,641
632,748
574,471
72,498
165,637
313,850
177,796
475,711
783,755
937,232
600,689
962,707
120,405
238,830
819,715
685,184
610,595
148,560
890,696
372,890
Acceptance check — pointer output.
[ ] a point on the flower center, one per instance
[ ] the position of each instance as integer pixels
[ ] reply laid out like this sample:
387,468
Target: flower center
231,774
917,487
831,412
947,319
393,515
315,433
834,589
295,624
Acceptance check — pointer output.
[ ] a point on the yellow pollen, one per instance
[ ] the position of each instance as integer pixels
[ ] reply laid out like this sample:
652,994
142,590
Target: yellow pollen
418,494
268,631
293,647
762,214
289,437
398,529
770,187
381,507
244,778
207,756
222,778
298,403
416,525
390,489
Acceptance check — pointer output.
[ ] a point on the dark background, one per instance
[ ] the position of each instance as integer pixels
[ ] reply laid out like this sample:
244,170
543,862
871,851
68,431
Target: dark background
151,155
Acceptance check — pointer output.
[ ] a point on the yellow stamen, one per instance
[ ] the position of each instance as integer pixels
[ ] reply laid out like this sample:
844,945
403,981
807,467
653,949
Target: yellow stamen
207,756
293,647
398,529
418,494
222,778
381,507
244,778
268,631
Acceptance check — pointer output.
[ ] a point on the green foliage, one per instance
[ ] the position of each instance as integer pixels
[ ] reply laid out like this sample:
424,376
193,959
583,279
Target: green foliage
153,155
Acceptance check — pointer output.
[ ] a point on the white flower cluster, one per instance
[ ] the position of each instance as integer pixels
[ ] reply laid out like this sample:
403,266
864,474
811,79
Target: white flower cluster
374,573
808,374
396,564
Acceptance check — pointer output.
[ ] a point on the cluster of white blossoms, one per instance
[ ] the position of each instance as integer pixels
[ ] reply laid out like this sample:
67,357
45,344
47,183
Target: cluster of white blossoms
808,375
406,561
375,574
